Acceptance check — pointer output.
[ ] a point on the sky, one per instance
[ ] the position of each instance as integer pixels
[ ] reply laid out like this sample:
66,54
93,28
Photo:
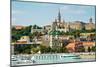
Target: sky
30,13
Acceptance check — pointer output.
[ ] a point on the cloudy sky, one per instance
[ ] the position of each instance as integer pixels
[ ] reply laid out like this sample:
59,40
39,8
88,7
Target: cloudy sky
30,13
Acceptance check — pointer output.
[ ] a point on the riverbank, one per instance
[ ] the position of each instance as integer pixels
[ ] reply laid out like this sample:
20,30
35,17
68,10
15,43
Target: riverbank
89,56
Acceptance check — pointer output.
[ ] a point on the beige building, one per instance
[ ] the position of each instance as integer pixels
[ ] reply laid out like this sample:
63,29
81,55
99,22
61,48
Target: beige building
77,25
90,25
64,26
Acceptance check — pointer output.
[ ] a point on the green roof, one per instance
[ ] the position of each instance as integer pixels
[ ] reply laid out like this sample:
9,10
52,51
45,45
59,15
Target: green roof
54,33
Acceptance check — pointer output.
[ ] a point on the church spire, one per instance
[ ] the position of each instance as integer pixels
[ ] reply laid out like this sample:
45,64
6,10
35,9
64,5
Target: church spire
59,16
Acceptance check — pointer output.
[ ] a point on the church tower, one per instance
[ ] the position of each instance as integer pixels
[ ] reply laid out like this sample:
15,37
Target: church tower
59,16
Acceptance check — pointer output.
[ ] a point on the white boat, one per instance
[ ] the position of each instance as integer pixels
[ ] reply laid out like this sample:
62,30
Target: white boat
55,57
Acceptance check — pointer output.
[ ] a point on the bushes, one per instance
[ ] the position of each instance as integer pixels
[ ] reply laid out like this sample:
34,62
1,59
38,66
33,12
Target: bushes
45,49
92,49
34,50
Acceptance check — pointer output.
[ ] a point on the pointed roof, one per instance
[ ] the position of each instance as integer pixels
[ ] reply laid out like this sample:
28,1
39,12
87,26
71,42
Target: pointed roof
59,16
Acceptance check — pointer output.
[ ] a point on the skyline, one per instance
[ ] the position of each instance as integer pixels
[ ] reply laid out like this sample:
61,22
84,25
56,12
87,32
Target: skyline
30,13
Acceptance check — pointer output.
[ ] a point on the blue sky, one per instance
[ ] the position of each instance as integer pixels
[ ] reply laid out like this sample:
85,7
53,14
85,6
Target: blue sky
30,13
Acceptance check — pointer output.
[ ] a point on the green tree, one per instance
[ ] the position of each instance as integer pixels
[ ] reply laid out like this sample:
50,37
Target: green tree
77,34
94,48
34,50
16,34
89,49
43,49
27,51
